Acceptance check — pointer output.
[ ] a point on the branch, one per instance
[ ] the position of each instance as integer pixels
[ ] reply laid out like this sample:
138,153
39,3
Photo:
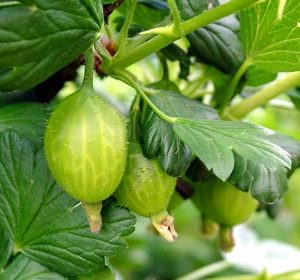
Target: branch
158,42
206,270
263,96
129,79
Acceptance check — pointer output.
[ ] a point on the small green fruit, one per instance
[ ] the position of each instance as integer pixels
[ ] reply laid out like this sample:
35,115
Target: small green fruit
223,203
85,146
146,190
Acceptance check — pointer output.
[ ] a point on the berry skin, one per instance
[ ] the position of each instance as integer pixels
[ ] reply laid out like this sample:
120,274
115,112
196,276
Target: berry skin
224,203
147,190
85,146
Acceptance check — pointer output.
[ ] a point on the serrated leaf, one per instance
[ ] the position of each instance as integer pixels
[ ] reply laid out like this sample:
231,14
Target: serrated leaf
42,220
39,37
271,43
289,144
190,8
177,105
266,184
273,209
218,44
27,118
159,141
215,142
6,247
23,268
157,136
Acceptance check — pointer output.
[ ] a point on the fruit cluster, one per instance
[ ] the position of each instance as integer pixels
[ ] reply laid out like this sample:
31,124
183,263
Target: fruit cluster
86,149
91,156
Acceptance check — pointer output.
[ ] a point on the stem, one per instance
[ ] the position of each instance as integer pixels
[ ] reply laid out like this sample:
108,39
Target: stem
125,28
176,17
193,87
9,4
207,270
281,104
229,92
89,69
216,267
280,86
108,31
132,81
239,277
292,275
134,119
280,11
158,42
165,68
92,211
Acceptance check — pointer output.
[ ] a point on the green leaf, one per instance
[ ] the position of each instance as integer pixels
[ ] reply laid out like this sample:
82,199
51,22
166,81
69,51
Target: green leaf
39,37
175,53
177,105
273,209
289,144
27,118
165,85
5,248
271,43
218,44
144,17
266,184
7,97
23,268
215,142
43,221
106,274
190,8
156,4
158,139
257,77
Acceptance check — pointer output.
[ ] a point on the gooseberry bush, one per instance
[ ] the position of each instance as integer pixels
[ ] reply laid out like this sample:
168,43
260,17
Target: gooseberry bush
75,171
